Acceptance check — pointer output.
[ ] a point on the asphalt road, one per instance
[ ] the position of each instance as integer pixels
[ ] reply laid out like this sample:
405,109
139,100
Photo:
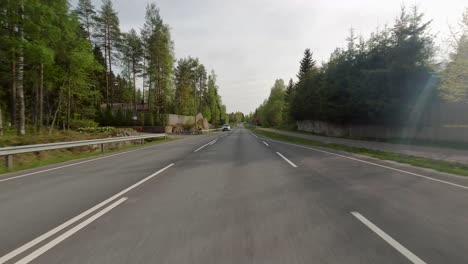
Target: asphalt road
233,198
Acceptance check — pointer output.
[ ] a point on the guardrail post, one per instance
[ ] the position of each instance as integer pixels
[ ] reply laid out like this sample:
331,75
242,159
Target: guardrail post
102,147
9,161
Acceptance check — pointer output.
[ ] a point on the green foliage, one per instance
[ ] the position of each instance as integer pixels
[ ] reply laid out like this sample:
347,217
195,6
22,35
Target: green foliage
270,113
108,117
307,65
454,84
149,119
129,118
158,50
86,14
68,59
288,96
185,86
119,118
105,129
236,117
374,81
99,116
80,123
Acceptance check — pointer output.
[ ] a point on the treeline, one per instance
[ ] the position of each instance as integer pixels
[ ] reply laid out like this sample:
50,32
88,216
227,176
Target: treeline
59,64
386,79
236,117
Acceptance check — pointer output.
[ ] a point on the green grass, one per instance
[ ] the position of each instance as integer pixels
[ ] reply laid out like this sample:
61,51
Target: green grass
404,141
22,162
438,165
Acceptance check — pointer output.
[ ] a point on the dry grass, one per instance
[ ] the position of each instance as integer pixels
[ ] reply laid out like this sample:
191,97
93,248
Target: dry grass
32,160
11,139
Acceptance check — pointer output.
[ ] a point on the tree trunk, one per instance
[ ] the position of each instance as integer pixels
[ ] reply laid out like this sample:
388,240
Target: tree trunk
69,107
143,75
134,89
56,112
1,122
106,67
41,97
111,81
149,94
21,124
35,113
88,29
13,94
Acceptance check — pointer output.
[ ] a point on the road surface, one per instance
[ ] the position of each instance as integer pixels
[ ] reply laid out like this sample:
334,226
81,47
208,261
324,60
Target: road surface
233,198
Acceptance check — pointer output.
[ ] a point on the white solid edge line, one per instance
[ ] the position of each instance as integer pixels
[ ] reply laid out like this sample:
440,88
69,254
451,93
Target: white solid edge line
266,144
69,233
213,142
57,229
253,134
209,143
288,161
375,164
404,251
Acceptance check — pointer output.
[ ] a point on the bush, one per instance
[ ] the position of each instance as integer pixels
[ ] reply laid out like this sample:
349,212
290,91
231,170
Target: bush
129,118
119,119
96,129
77,123
149,121
108,117
141,119
99,115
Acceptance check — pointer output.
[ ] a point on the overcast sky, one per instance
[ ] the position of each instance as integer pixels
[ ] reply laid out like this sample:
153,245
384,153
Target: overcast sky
250,43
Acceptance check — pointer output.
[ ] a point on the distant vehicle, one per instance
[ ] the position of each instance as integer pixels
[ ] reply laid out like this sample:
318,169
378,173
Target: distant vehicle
226,127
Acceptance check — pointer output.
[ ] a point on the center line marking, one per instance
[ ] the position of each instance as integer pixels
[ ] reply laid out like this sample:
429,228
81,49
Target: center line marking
288,161
404,251
266,144
75,219
209,143
69,233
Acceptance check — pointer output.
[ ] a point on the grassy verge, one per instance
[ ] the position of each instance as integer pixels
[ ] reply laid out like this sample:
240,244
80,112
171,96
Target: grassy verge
403,141
31,160
438,165
38,137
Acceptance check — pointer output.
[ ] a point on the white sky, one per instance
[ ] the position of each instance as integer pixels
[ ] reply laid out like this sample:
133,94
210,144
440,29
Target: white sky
250,43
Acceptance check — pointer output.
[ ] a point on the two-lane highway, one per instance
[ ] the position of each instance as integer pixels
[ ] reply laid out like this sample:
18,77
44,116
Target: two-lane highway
233,198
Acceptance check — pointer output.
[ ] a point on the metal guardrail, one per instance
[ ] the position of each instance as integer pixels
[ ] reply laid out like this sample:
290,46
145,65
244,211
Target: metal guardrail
208,130
195,132
8,152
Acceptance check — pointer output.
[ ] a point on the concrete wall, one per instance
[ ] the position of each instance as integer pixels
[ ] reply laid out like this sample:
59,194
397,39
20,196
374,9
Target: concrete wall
454,133
440,121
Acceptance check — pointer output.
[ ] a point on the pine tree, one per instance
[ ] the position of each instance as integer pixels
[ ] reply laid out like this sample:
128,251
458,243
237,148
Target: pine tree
288,95
21,126
107,24
307,65
132,51
86,14
159,61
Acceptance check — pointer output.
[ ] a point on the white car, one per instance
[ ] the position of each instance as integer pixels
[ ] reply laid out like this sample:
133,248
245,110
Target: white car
226,127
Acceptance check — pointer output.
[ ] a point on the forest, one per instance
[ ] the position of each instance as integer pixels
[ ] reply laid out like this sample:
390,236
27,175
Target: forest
64,67
381,80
